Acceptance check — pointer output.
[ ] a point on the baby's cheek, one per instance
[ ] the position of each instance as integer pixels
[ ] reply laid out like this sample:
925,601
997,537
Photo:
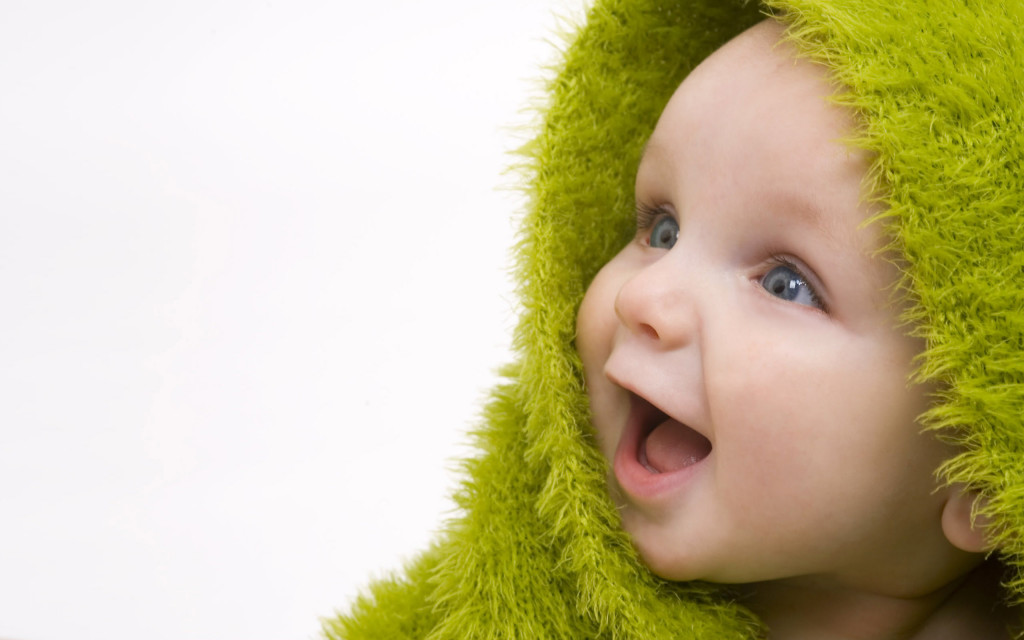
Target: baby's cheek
593,346
592,329
775,419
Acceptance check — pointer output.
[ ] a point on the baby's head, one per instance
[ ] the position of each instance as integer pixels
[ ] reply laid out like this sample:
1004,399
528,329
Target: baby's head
748,372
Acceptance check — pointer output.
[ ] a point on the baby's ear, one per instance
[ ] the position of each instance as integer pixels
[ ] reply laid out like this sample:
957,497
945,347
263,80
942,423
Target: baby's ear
963,531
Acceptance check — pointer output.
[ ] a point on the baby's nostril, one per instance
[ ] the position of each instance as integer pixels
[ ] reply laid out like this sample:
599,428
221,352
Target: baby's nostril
648,331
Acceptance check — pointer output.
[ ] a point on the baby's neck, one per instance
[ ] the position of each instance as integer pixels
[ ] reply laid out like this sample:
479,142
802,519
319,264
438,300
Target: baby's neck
968,608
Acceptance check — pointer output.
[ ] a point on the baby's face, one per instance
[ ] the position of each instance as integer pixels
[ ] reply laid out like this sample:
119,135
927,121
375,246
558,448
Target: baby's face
747,377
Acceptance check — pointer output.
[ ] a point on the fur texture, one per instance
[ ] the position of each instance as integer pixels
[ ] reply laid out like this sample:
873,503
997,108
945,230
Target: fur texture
537,551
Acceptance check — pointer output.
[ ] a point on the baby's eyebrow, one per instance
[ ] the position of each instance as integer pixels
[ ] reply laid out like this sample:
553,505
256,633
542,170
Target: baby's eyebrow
788,202
799,210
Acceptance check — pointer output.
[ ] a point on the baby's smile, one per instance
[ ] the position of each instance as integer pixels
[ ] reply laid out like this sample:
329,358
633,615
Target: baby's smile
657,452
671,445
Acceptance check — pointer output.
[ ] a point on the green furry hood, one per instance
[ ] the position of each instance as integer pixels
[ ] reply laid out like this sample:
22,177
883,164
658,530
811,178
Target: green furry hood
537,551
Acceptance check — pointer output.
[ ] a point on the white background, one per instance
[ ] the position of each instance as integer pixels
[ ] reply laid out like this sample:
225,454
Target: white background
253,289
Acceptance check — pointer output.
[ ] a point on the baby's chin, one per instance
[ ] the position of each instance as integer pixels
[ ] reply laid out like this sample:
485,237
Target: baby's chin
681,559
663,558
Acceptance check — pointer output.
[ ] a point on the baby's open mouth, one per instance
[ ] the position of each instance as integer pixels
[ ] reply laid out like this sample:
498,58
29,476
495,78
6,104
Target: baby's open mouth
666,444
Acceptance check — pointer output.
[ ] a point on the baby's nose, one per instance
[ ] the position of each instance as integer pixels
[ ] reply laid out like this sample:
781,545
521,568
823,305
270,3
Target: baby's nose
658,306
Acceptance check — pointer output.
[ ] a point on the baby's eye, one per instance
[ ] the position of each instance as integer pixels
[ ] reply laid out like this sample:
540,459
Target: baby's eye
656,226
664,233
787,283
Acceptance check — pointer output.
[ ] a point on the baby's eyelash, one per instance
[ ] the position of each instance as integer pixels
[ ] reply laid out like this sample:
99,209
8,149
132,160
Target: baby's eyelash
646,215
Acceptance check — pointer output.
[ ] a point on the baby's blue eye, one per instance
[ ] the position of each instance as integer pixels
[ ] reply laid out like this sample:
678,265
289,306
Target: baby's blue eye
664,233
785,282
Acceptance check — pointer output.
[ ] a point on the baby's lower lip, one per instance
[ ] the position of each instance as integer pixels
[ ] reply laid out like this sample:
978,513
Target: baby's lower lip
676,455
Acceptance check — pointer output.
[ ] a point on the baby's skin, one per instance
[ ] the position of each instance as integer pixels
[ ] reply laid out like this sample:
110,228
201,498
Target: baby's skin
748,372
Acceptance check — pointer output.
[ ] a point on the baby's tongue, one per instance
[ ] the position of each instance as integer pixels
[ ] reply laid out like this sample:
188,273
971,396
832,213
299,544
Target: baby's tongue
673,445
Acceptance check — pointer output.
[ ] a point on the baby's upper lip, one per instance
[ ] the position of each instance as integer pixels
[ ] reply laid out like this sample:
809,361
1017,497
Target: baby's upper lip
647,411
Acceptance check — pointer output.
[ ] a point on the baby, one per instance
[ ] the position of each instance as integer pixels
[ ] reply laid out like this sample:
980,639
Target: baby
748,374
790,407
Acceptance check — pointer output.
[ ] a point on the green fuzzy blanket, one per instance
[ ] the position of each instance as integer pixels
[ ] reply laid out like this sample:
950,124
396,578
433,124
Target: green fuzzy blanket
537,550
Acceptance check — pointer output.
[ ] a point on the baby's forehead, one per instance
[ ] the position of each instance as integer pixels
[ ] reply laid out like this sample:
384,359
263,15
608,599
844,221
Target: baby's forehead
753,101
755,108
759,42
760,69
